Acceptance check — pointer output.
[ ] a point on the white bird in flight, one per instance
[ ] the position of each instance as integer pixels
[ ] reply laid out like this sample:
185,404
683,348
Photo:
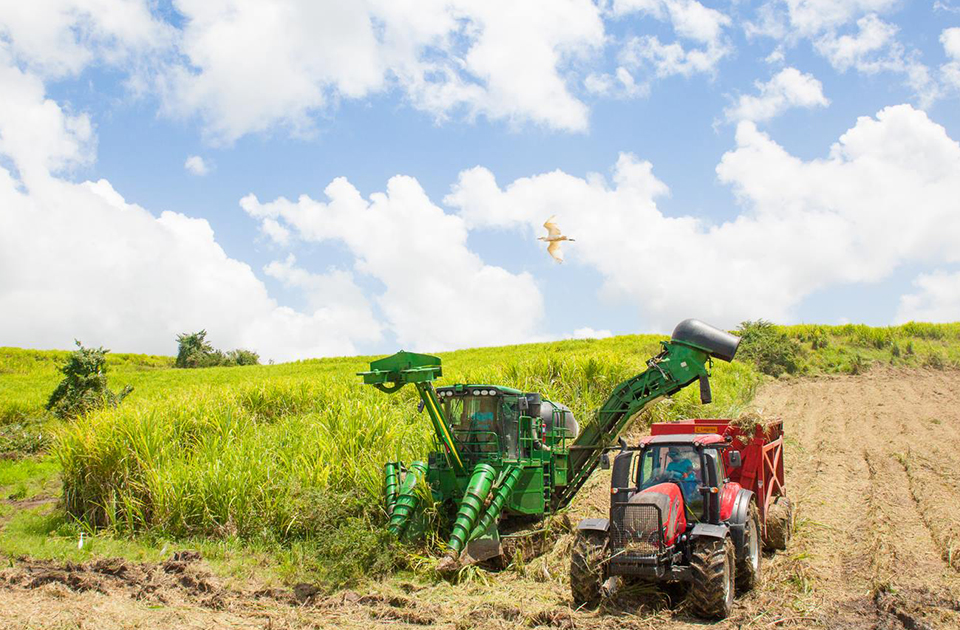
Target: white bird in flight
554,238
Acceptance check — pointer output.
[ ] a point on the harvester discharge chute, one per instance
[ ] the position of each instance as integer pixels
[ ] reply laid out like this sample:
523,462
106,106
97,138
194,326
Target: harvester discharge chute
500,451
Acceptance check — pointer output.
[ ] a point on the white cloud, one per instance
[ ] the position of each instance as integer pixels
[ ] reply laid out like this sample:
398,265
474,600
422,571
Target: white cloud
948,7
335,295
61,37
808,18
79,261
862,50
950,71
701,29
885,196
35,132
196,165
776,57
590,333
620,84
437,293
872,48
937,299
788,88
254,65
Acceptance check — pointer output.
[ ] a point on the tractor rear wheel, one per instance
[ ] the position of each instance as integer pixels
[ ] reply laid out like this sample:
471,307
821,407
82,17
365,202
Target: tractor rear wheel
713,566
749,556
587,568
779,524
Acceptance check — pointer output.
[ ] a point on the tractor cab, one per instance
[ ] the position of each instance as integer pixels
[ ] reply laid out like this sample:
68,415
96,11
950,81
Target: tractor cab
692,462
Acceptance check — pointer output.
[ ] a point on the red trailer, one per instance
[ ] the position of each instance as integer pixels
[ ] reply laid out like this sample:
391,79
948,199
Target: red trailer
760,470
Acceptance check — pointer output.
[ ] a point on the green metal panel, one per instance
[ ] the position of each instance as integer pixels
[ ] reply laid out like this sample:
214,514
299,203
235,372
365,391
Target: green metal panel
527,497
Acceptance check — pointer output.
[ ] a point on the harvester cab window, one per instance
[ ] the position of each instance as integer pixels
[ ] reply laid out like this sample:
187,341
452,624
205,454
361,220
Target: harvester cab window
475,422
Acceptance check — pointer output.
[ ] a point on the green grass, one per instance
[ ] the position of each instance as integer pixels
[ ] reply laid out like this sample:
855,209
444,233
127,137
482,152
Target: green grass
284,461
854,348
27,478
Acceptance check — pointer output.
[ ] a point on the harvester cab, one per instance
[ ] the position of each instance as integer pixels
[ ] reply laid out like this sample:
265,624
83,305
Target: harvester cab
501,452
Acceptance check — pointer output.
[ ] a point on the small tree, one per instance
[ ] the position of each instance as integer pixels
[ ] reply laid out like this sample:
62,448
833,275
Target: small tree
84,384
243,357
770,349
195,352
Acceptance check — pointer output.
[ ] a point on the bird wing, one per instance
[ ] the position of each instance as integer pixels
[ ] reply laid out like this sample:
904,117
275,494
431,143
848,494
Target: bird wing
554,250
552,228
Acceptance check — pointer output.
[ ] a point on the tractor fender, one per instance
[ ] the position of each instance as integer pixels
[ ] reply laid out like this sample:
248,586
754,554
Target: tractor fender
593,525
738,518
707,530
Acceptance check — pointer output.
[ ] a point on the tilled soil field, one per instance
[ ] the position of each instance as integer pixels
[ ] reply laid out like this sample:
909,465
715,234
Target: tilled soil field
873,467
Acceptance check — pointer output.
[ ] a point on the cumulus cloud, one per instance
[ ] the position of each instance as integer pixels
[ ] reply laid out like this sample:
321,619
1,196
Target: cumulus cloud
788,88
863,49
34,130
884,196
937,299
61,37
700,45
808,18
254,65
871,48
437,293
950,38
79,261
196,165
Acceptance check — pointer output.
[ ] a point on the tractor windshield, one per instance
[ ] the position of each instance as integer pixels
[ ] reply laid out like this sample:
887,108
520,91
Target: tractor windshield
475,421
672,463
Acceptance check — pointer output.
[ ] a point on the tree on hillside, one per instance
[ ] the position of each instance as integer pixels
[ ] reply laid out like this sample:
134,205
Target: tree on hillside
769,348
194,352
84,384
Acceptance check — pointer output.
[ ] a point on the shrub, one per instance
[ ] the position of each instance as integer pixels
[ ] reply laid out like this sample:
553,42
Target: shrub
769,348
243,357
84,384
195,352
858,364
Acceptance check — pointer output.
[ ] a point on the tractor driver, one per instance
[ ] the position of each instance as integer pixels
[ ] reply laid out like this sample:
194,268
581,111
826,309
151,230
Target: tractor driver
684,469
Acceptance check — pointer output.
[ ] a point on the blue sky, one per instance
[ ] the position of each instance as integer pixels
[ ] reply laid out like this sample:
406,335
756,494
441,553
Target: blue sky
793,160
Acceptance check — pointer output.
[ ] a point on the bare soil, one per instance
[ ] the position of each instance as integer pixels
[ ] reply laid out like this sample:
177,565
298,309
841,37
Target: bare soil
873,468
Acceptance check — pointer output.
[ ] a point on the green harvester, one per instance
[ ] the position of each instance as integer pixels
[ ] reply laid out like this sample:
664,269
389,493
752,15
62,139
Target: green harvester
500,452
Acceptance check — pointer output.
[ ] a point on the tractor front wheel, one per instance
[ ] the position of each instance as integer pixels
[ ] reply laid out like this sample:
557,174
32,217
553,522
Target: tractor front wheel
587,568
779,524
713,566
748,556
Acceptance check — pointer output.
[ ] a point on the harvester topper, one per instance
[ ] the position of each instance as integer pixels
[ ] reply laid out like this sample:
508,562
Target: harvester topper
500,452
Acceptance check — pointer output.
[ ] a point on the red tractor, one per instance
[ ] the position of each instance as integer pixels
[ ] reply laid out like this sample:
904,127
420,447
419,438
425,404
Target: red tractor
692,503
